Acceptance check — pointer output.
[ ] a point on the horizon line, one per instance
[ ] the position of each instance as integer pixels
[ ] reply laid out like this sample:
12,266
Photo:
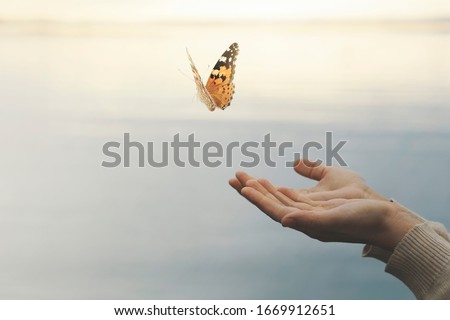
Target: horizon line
369,20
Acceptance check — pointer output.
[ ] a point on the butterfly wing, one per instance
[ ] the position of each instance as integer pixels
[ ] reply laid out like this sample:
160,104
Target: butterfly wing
202,92
220,83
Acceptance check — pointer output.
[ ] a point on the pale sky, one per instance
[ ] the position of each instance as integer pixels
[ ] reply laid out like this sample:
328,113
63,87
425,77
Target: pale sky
144,10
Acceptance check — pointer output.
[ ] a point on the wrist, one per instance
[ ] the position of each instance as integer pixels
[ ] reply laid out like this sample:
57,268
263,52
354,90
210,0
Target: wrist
398,222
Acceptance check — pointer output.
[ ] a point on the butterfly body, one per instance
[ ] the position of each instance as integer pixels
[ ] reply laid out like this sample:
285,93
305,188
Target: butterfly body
219,89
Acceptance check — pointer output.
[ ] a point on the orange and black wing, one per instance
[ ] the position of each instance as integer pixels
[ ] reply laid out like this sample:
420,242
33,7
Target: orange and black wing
220,83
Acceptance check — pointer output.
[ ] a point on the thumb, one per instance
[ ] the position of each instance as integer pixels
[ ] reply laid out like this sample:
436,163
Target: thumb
304,222
312,170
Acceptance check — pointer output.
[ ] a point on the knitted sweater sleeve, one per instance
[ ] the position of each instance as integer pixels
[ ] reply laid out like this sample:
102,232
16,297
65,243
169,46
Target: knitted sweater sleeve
421,260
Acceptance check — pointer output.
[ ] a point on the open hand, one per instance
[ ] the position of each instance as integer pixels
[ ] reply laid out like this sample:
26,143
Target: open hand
340,207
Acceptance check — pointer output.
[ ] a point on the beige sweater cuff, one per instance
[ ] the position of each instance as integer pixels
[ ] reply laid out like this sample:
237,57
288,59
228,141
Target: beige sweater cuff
422,261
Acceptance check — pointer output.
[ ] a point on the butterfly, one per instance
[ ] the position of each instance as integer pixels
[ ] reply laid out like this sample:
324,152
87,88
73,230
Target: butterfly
219,89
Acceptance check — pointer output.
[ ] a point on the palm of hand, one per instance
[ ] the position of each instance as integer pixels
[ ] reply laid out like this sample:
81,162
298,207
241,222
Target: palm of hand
341,207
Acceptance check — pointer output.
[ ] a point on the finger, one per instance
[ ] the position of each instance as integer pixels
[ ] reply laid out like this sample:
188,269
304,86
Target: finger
239,181
298,198
311,222
304,221
332,203
235,184
298,220
329,195
274,191
324,195
311,170
269,206
243,177
255,184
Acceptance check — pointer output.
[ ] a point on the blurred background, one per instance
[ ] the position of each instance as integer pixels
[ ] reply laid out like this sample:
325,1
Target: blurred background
75,74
